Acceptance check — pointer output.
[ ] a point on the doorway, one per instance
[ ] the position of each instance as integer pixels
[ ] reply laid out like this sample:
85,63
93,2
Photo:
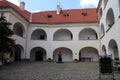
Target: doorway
39,56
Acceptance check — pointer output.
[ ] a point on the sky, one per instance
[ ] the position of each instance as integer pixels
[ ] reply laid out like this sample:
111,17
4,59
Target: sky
46,5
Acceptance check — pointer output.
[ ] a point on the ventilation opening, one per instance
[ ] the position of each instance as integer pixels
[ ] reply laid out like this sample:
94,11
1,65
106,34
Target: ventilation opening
84,13
49,16
65,14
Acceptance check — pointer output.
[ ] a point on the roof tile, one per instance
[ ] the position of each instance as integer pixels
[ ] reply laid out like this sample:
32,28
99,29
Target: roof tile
74,15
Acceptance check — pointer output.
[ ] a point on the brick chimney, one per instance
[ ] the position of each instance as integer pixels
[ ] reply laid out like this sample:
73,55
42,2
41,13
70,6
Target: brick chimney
58,9
22,5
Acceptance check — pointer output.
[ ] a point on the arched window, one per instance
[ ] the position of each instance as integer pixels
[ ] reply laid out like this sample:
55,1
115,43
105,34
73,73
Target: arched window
39,34
110,20
62,35
100,13
119,4
88,34
19,29
102,31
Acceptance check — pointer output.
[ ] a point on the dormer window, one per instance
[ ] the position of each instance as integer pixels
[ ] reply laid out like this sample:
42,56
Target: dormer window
84,13
49,16
66,14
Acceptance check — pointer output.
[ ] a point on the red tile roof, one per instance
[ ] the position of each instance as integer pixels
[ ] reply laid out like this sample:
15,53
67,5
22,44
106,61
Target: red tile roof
74,15
23,13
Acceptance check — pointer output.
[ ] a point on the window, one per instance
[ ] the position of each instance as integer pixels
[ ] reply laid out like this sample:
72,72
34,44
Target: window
110,18
100,13
102,30
119,4
38,34
88,34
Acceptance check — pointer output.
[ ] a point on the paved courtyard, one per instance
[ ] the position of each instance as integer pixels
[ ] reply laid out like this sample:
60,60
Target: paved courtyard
51,71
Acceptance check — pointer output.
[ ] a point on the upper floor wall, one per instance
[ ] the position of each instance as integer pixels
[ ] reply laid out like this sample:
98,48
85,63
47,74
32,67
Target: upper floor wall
109,14
63,32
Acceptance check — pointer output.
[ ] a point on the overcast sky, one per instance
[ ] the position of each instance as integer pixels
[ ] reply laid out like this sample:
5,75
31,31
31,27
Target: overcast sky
44,5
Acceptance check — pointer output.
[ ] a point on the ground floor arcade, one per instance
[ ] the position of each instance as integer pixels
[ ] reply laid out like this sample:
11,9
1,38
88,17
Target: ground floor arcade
67,54
85,54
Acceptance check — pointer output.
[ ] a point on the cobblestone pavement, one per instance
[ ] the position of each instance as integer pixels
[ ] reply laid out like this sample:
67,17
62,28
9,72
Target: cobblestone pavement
51,71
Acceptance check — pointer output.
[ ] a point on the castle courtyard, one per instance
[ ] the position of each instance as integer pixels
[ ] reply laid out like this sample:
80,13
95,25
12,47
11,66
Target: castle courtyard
51,71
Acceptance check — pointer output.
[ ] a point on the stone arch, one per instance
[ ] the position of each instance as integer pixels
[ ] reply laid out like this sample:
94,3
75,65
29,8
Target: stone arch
62,35
38,54
104,53
88,54
113,49
18,52
110,20
39,34
88,34
19,29
102,30
66,53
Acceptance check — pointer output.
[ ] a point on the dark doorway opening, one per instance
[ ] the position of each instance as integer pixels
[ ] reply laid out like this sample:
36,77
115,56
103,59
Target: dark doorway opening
39,56
17,53
17,56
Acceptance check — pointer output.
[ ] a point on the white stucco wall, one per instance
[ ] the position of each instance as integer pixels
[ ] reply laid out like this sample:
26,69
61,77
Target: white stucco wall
13,17
50,45
113,32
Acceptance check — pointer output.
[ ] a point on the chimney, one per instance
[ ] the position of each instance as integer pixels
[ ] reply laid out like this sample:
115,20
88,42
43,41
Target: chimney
58,9
22,5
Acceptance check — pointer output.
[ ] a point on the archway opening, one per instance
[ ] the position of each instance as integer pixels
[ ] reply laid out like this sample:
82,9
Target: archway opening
88,54
63,35
18,53
88,34
113,49
38,54
39,34
19,29
67,55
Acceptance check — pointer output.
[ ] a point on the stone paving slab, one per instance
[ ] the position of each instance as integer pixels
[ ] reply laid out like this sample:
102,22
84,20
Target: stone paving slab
51,71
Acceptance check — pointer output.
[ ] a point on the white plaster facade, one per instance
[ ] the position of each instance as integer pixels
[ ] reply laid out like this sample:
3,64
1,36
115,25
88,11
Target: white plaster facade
109,20
73,40
63,39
